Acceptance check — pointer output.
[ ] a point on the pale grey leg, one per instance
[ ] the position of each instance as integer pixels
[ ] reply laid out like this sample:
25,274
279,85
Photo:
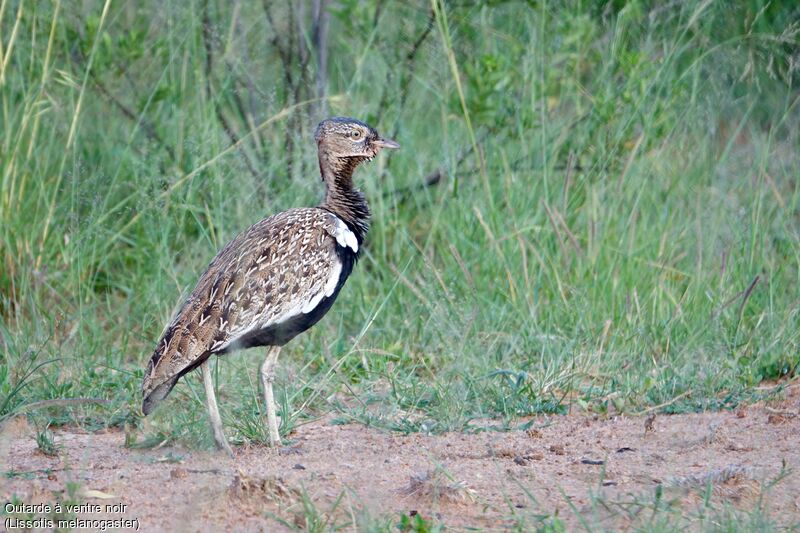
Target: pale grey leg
213,410
267,377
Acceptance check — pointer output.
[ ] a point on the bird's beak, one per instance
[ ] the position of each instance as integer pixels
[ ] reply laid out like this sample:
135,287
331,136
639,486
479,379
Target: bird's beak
385,143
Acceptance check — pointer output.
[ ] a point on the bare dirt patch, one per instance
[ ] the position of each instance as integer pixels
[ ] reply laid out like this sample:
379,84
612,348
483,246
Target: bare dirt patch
478,480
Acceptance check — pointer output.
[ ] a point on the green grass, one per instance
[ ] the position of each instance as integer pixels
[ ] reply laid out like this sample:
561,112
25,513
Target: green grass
616,223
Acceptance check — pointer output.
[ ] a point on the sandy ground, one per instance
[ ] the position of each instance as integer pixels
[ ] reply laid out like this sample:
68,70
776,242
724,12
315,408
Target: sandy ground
464,481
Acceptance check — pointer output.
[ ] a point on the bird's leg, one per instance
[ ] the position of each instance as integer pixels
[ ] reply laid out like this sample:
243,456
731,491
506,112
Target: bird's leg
267,378
213,410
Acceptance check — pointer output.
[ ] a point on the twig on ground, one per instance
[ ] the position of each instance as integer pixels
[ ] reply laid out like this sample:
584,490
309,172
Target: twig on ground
661,405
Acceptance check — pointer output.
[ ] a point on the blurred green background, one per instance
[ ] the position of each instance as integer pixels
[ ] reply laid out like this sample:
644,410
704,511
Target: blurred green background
595,207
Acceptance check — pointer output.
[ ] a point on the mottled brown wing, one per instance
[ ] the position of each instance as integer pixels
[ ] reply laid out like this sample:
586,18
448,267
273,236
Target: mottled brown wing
276,269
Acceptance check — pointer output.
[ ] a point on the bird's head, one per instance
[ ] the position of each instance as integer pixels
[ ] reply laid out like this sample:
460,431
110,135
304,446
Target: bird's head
341,137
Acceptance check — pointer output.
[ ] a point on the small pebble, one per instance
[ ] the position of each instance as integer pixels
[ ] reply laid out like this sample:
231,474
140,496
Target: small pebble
557,449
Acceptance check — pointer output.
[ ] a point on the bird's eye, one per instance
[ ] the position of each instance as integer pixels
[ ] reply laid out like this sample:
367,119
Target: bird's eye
355,134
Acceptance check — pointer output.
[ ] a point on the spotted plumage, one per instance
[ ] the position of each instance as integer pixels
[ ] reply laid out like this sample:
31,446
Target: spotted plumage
274,280
268,284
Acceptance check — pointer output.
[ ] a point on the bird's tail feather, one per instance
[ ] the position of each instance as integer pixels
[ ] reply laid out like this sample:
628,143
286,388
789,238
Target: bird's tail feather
155,396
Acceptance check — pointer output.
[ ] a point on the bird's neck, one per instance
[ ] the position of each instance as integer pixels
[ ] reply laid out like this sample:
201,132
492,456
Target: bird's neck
341,198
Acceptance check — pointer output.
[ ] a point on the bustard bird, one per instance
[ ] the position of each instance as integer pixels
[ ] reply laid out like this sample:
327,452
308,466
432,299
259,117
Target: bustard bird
274,280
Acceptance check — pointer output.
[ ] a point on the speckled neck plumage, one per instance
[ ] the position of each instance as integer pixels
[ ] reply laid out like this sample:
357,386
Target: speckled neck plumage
341,198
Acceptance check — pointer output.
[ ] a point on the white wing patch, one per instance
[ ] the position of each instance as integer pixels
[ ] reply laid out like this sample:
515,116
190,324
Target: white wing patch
301,307
323,288
345,237
326,291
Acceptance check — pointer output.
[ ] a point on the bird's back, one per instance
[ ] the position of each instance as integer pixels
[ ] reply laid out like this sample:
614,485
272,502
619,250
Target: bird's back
270,283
